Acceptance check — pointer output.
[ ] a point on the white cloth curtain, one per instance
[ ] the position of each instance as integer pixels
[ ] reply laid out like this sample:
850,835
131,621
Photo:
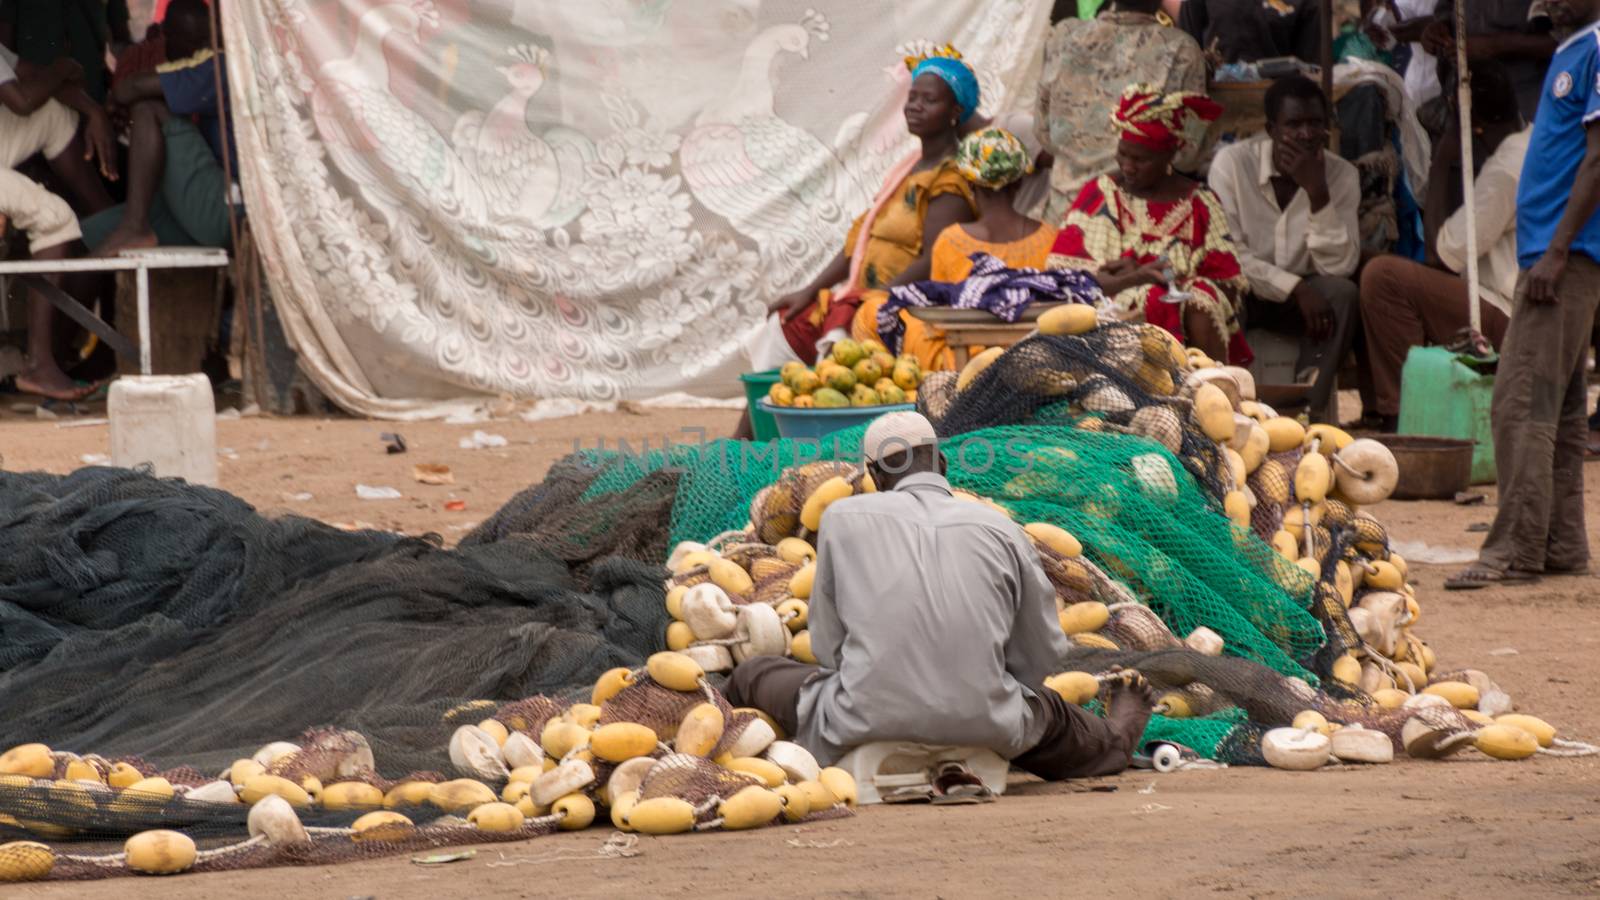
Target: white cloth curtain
590,200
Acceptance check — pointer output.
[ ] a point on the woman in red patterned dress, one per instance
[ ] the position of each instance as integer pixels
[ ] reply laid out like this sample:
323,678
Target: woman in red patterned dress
1158,241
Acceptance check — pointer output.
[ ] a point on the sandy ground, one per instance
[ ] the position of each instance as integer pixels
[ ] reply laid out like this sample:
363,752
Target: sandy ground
1466,826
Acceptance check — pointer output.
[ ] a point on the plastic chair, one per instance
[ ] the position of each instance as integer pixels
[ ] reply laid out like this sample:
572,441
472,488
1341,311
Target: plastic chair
887,767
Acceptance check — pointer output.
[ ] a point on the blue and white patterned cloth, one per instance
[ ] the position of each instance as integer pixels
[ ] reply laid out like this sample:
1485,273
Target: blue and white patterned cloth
992,287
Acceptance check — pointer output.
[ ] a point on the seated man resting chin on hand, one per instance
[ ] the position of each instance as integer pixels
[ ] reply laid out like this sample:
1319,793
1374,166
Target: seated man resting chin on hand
1293,209
932,622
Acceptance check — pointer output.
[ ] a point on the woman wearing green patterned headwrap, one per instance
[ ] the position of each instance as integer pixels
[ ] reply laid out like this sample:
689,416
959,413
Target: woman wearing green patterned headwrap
993,159
995,162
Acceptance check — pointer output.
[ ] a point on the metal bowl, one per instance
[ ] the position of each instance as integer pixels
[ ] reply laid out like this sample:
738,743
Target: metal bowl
1431,468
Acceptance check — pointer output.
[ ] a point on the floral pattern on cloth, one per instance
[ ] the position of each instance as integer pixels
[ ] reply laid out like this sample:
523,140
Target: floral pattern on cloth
1105,223
991,286
456,201
1087,63
1162,120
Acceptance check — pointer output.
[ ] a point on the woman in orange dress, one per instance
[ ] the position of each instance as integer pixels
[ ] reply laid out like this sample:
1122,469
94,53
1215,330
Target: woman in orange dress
1148,231
891,243
994,161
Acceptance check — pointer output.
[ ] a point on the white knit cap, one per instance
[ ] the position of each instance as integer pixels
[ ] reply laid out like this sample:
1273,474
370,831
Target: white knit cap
896,432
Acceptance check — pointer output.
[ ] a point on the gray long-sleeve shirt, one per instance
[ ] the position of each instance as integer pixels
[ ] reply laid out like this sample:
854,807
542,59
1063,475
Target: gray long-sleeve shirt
931,620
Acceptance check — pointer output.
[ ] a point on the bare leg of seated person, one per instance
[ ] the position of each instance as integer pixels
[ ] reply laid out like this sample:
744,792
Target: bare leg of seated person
1200,330
1079,744
81,179
44,376
147,160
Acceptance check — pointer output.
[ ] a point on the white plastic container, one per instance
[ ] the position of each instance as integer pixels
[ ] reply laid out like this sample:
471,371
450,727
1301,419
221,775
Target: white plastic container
167,421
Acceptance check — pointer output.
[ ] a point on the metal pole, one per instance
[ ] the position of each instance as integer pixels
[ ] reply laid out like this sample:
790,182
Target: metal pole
1464,113
1325,10
142,277
223,137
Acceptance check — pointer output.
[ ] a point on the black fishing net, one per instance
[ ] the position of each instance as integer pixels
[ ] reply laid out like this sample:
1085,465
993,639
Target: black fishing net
1110,374
154,618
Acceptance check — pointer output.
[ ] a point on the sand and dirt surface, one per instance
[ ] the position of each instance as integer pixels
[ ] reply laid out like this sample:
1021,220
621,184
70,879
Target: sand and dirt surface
1463,827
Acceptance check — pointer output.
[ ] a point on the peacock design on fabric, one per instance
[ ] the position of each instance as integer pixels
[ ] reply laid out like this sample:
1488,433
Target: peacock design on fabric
456,230
535,177
775,183
375,139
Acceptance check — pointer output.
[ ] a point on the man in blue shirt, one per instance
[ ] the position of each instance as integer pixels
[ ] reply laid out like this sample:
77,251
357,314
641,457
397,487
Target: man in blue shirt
177,190
1538,413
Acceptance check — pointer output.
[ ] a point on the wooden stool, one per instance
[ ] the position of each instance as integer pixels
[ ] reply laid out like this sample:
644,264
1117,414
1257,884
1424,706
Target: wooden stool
960,338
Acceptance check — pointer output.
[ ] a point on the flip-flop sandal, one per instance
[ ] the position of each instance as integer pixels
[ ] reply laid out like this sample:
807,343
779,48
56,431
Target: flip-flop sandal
1477,578
957,785
99,390
916,794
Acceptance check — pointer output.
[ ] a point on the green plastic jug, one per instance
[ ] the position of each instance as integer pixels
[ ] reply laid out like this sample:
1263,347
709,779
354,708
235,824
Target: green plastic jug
1442,396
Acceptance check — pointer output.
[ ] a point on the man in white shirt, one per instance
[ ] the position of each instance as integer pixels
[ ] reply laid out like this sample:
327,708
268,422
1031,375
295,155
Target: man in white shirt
1293,209
35,118
941,633
1406,304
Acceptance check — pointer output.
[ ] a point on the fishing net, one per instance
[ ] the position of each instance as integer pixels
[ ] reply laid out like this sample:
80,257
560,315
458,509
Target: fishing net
172,622
173,629
1116,378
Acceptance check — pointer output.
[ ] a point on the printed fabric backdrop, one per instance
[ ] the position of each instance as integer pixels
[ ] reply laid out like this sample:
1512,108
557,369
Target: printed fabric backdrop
590,200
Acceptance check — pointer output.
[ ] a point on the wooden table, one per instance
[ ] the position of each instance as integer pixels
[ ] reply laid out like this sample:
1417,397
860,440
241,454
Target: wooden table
960,336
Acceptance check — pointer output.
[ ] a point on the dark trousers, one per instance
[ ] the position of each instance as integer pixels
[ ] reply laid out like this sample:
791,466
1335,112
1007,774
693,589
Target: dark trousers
1539,416
1406,304
1075,744
1318,360
771,684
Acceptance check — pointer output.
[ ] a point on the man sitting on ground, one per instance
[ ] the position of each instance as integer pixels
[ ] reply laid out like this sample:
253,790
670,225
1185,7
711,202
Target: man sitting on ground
1293,209
177,192
932,622
33,121
1087,64
1406,304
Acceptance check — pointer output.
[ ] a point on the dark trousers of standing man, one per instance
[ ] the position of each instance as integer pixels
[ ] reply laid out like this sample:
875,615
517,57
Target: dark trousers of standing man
1539,416
1318,360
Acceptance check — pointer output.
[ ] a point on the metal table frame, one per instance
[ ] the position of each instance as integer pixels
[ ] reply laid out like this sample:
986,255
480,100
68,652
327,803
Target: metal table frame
140,262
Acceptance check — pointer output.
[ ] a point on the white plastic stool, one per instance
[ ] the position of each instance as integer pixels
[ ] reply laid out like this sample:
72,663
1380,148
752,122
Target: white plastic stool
888,766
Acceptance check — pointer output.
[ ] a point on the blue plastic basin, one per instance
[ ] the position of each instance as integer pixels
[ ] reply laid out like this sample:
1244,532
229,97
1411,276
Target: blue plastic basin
815,423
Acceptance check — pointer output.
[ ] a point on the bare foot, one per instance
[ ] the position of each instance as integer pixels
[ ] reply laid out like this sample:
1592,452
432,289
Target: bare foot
127,237
51,383
1129,701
